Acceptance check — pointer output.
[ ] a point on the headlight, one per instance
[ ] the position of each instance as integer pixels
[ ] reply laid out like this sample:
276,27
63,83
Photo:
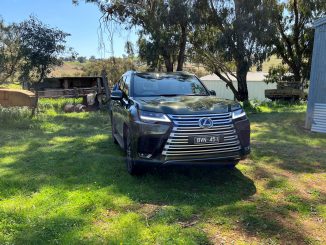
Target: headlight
152,117
238,113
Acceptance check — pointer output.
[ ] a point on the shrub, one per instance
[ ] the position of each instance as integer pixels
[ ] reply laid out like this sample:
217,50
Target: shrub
19,117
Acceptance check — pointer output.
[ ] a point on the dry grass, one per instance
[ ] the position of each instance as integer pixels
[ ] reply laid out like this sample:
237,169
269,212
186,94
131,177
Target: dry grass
68,69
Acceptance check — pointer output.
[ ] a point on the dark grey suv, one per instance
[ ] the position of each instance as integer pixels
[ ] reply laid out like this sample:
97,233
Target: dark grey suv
172,118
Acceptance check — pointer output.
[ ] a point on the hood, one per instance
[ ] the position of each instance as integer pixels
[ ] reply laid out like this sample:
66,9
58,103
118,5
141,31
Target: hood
185,104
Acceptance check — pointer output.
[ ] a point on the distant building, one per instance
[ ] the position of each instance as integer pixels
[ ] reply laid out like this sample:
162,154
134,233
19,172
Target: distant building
255,81
316,110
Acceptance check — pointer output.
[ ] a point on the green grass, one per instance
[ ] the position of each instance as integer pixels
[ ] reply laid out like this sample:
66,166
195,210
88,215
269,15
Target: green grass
48,104
63,180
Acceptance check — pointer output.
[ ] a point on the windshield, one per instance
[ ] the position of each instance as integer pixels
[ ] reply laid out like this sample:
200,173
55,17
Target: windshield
151,84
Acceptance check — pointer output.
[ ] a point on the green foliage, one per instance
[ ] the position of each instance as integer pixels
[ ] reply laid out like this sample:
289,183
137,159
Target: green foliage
277,74
114,68
164,28
293,37
129,49
231,34
81,59
9,51
40,47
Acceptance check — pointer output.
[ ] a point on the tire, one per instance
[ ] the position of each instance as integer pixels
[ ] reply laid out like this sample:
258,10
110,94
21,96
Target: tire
114,140
231,165
132,167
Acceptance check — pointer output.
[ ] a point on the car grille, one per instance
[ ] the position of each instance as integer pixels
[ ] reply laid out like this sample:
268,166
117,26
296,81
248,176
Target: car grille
185,126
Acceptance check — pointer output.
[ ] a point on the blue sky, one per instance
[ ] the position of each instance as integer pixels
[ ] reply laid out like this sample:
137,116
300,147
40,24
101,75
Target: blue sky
81,21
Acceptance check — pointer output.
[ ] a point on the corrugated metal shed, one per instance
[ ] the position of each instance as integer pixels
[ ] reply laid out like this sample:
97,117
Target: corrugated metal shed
316,115
255,82
319,118
251,77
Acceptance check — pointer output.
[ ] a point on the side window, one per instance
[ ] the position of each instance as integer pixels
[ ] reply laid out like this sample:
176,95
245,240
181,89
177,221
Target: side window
120,83
126,84
116,86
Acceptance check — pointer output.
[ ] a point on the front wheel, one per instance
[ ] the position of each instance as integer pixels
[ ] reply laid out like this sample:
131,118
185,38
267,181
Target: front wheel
231,165
132,167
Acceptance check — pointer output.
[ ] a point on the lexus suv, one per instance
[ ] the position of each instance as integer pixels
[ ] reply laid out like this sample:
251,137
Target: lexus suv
172,118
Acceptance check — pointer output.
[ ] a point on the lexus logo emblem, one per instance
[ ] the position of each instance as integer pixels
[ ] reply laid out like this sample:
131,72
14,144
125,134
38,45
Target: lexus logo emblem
205,122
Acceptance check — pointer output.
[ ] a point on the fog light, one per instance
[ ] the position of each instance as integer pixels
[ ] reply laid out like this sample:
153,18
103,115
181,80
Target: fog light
247,148
143,155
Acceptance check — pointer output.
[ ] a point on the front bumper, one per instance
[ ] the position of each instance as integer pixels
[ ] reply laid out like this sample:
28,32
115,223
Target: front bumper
150,141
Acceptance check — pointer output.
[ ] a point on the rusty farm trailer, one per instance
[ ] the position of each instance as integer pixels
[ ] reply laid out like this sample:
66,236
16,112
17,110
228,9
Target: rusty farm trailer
68,87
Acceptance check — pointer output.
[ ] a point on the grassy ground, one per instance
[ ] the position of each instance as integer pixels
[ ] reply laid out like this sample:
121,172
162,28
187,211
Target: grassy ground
62,180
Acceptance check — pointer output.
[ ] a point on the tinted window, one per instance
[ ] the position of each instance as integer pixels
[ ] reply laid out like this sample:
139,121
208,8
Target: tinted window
121,83
151,84
126,86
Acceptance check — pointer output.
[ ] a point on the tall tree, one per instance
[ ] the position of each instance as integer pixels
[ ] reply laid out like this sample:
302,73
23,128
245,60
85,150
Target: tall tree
293,41
164,25
113,67
40,47
230,37
9,51
129,49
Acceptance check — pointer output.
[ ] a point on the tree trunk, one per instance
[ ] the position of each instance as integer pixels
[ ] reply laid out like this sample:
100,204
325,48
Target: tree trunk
43,69
36,101
228,83
182,48
242,71
167,60
168,64
297,74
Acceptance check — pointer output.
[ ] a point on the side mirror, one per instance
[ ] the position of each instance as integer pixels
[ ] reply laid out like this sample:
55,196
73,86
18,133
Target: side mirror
116,95
212,92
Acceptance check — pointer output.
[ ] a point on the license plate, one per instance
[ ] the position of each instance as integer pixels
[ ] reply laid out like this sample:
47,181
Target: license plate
206,139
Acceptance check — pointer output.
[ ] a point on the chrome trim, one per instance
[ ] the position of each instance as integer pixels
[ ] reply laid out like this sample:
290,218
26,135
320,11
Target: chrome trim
201,132
213,151
196,160
181,129
186,126
231,143
180,140
228,114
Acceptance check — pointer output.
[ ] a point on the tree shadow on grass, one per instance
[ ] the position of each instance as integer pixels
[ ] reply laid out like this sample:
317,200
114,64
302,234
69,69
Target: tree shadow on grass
67,165
69,159
284,142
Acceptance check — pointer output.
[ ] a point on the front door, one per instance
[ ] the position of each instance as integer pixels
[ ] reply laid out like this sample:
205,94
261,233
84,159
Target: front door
120,109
